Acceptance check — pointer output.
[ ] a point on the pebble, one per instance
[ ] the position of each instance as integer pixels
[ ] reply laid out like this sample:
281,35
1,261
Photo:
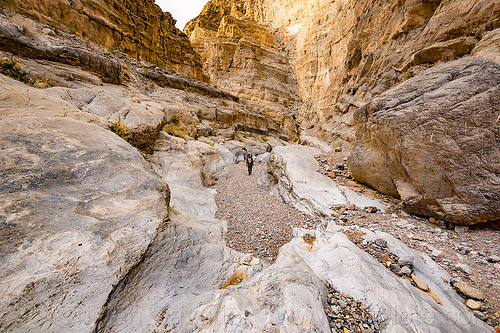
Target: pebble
474,278
395,269
494,259
405,270
405,262
461,228
480,315
351,207
420,283
468,291
415,237
381,243
473,305
464,268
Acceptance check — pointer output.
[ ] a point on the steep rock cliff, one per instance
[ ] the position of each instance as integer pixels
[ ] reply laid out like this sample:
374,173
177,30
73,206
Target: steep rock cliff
139,29
244,57
344,53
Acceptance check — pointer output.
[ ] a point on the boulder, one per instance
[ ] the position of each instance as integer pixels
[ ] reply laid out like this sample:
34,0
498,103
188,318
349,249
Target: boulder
433,141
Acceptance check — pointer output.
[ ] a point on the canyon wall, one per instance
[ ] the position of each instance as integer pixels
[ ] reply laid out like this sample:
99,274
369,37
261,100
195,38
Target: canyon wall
344,53
244,57
139,29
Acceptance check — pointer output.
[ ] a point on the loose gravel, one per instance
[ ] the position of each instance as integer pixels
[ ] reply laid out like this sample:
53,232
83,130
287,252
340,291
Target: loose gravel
257,222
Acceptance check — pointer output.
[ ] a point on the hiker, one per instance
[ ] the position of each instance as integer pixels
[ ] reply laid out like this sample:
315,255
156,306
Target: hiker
249,162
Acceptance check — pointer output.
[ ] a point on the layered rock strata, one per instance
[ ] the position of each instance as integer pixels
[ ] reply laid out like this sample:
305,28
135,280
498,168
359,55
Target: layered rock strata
139,29
434,141
243,57
345,53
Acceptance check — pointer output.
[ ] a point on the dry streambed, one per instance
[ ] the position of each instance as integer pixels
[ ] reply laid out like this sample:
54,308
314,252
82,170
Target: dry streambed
257,222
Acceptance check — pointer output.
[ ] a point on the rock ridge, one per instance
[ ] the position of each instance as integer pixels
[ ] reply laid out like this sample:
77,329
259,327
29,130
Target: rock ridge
141,30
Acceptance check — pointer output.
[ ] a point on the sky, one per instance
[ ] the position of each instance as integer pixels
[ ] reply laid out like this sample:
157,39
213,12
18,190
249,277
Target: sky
182,10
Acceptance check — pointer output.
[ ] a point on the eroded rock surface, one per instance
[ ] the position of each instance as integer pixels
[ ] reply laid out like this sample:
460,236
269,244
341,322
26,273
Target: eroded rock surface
139,29
401,306
80,206
242,56
342,53
434,142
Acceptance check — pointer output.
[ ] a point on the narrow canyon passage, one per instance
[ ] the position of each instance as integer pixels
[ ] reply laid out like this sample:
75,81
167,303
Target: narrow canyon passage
257,222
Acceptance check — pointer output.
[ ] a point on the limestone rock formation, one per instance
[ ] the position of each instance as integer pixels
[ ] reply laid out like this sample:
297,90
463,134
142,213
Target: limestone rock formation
139,29
293,172
406,308
344,53
434,141
243,57
80,206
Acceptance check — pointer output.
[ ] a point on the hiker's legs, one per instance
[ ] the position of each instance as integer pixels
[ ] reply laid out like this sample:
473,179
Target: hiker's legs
249,169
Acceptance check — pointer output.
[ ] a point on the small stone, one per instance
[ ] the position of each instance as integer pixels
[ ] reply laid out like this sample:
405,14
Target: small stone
474,278
417,237
473,305
437,253
464,268
405,262
336,310
405,270
480,315
494,259
468,291
363,307
420,283
461,228
442,224
381,243
395,269
497,266
351,207
47,31
371,209
432,220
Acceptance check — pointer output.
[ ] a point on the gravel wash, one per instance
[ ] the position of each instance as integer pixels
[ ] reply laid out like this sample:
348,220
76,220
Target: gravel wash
257,222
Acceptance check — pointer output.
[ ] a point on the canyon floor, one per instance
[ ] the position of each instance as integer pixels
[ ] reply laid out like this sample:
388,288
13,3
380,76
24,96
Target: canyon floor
260,223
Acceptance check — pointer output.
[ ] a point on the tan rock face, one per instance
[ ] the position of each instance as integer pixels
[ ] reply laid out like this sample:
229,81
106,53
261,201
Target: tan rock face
344,53
244,57
138,28
348,52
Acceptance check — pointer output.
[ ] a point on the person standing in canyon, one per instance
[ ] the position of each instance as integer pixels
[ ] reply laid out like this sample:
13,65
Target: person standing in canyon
249,162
